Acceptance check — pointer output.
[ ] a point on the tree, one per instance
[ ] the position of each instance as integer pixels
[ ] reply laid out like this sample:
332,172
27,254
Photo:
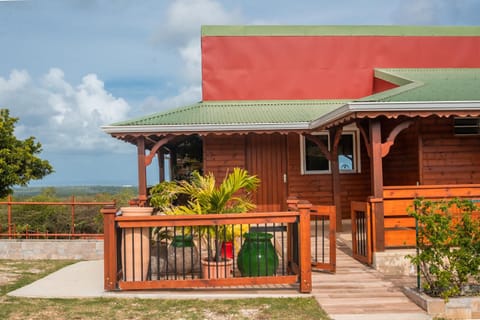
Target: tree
19,162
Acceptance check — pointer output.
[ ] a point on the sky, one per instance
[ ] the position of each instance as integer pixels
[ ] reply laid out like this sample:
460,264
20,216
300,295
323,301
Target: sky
69,67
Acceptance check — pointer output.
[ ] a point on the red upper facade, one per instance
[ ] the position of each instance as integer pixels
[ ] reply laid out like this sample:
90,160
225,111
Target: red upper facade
330,65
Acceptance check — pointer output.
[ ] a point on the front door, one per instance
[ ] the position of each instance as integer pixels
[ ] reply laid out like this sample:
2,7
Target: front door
266,157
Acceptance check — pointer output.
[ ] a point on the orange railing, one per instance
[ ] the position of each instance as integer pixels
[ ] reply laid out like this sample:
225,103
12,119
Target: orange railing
12,231
399,227
132,263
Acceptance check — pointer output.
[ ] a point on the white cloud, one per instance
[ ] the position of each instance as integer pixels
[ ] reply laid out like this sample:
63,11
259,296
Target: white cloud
60,115
181,30
187,95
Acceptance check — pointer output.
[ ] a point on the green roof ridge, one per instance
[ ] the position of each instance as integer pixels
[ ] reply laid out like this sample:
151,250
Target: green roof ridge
338,30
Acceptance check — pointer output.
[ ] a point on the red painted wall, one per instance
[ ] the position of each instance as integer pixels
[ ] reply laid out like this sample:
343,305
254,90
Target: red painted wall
319,67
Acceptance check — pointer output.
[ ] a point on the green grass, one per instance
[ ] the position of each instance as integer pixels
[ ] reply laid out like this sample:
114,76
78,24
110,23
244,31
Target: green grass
128,308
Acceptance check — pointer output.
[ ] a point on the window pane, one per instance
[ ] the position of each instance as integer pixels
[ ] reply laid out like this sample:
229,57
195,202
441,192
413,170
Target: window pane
345,153
314,159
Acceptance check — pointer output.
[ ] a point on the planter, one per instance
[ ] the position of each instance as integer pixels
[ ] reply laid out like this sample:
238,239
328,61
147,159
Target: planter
257,256
182,255
159,259
217,269
135,246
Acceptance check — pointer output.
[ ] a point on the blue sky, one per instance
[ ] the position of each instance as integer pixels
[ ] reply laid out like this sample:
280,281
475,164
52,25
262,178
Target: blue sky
69,67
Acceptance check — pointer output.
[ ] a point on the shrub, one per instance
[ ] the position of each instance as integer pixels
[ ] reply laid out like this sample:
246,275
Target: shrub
449,246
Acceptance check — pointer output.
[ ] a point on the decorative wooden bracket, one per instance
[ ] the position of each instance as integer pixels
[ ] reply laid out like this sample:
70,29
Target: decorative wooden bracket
337,134
393,134
390,140
323,148
156,147
365,138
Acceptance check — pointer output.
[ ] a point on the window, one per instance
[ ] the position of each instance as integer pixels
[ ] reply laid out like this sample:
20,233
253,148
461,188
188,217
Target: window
466,126
313,160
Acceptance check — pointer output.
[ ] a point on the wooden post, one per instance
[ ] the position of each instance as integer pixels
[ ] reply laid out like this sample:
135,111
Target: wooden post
142,171
109,248
9,217
304,243
292,202
376,171
161,166
335,135
72,227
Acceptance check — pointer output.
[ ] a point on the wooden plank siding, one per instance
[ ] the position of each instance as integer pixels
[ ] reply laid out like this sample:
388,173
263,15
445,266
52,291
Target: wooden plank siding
266,158
403,157
223,153
317,188
446,158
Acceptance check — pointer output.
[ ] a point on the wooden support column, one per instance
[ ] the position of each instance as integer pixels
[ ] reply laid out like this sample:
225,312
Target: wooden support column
109,248
335,135
161,166
142,171
304,250
376,171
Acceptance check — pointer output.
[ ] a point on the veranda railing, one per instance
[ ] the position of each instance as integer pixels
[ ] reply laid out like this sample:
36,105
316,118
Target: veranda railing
10,229
134,259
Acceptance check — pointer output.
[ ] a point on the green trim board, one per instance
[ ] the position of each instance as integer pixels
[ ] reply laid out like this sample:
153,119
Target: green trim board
338,30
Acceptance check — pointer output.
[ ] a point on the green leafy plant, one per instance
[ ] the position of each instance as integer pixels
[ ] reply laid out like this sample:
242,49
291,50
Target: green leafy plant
232,195
449,246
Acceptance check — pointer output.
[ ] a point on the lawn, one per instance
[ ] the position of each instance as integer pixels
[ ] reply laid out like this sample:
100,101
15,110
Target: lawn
14,274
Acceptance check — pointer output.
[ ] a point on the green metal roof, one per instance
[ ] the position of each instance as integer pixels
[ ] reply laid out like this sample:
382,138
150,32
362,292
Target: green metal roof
339,30
449,84
239,112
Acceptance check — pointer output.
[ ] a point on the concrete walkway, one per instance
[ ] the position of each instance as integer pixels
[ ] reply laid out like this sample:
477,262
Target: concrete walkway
355,291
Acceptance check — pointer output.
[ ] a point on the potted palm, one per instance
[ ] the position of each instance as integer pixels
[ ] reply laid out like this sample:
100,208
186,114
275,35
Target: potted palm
206,197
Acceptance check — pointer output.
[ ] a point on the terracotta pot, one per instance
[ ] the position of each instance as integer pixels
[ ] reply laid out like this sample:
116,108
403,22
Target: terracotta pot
135,246
182,255
217,269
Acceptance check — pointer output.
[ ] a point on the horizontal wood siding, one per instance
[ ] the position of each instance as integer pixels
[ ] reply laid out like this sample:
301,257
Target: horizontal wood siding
317,188
448,159
400,166
223,153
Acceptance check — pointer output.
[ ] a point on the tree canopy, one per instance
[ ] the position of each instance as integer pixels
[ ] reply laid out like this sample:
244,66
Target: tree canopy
19,162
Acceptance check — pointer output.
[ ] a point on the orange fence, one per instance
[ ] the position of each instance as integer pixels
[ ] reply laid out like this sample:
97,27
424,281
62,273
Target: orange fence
399,227
134,259
13,232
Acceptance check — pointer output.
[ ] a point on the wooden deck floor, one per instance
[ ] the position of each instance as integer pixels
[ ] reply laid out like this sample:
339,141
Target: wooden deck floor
357,291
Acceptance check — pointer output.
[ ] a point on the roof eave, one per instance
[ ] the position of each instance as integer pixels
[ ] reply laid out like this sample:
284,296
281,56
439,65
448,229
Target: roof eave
205,128
409,106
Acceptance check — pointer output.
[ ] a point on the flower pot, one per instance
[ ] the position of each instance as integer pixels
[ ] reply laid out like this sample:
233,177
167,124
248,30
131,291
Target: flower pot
135,246
257,256
158,259
227,249
217,269
182,255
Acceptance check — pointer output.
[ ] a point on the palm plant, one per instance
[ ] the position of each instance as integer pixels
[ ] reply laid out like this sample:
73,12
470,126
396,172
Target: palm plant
232,195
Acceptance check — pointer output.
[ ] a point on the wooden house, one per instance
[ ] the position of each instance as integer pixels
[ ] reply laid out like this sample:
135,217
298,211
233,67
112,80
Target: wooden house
331,114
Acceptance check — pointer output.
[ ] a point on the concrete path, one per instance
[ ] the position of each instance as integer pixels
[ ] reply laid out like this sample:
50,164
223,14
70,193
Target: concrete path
355,291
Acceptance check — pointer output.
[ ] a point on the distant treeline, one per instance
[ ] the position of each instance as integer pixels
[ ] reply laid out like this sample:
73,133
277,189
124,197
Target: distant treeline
67,191
57,219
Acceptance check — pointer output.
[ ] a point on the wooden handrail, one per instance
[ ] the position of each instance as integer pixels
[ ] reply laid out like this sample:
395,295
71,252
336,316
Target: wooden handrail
299,218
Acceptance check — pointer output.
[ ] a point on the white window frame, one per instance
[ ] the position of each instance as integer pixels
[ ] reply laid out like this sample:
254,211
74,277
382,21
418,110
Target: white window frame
350,130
